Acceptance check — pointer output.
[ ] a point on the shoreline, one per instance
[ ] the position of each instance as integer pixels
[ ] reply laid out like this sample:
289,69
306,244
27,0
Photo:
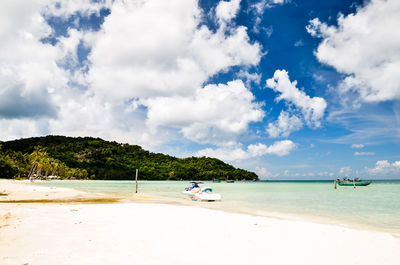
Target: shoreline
76,195
157,233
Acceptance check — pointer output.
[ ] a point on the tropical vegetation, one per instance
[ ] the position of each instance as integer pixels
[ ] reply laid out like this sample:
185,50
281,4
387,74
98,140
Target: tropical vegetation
94,158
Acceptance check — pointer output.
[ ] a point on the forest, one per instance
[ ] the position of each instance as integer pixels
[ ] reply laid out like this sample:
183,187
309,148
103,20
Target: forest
94,158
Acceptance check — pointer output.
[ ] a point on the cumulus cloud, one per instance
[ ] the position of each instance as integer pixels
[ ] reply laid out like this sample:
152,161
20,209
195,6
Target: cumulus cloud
280,148
34,79
170,55
384,167
15,128
35,103
136,79
284,126
357,146
211,116
365,47
162,64
263,173
227,10
28,71
311,109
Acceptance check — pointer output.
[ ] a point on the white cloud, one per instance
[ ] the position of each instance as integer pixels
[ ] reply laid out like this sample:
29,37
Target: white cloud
226,154
384,167
280,148
28,70
64,9
312,109
163,52
148,57
31,72
163,63
365,47
364,153
213,115
262,5
280,1
263,173
284,126
249,77
16,128
258,9
227,10
146,53
345,171
357,146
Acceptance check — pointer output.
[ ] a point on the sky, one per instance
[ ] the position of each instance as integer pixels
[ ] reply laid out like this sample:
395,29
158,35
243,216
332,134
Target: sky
288,89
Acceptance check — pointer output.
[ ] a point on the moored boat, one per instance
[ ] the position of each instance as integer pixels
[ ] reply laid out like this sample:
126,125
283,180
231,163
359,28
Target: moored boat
352,182
228,180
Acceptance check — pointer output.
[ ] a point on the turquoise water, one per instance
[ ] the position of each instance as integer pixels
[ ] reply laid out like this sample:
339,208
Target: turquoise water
376,206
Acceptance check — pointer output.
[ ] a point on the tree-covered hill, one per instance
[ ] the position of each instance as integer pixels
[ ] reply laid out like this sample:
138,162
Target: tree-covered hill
94,158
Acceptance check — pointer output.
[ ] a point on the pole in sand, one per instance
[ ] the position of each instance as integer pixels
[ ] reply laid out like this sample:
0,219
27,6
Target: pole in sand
136,179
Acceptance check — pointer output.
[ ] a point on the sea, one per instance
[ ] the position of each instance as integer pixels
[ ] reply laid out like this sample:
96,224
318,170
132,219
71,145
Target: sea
374,207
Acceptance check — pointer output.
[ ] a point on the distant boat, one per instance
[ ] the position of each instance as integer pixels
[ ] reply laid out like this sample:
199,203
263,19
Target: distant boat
354,182
229,180
216,180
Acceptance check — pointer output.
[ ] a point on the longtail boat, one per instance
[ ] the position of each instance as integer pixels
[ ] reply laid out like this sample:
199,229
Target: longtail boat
354,182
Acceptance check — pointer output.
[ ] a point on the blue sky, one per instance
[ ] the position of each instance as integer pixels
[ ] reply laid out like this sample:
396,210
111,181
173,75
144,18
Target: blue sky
288,89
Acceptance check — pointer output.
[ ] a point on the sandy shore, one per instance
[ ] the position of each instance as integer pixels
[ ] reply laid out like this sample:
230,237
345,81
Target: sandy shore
134,233
13,191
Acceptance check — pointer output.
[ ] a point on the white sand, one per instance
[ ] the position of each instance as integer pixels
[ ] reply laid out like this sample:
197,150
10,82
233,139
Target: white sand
135,233
23,191
19,190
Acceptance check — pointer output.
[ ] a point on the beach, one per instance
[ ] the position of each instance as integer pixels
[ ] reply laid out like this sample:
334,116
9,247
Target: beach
47,225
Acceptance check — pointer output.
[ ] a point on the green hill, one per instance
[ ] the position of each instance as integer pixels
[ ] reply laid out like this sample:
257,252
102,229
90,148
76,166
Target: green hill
94,158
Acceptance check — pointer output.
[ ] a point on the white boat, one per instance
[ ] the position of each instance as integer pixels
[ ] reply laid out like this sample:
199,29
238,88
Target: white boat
201,194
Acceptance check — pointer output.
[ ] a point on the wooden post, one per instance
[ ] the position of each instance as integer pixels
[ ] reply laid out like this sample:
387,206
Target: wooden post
136,179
